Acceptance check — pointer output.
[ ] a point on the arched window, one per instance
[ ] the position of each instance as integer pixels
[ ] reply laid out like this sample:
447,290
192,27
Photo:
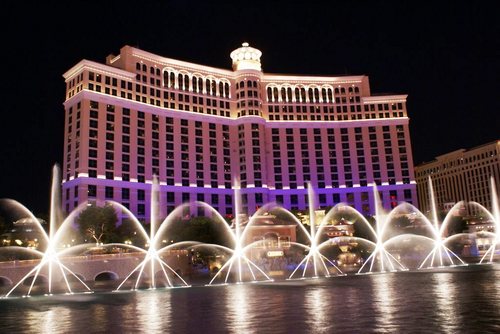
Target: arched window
342,90
180,81
172,80
289,94
242,84
194,83
200,85
186,82
138,66
157,71
221,88
255,84
152,70
283,94
356,89
214,87
336,91
207,86
323,95
310,93
330,95
297,94
269,94
275,93
144,68
165,79
303,94
226,89
350,89
316,94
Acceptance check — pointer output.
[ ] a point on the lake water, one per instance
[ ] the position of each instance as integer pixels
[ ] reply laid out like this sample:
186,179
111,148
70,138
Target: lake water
449,300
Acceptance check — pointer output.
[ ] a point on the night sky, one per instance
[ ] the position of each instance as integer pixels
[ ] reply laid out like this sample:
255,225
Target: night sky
444,56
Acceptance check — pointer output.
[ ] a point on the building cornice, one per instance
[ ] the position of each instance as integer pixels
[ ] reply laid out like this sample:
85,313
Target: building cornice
385,98
307,79
179,64
99,68
460,153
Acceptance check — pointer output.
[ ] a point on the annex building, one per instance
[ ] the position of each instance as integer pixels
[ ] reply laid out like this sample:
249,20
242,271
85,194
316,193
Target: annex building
461,175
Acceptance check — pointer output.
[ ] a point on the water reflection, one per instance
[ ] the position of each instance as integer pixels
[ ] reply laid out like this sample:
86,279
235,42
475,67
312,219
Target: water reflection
238,301
383,302
445,295
54,320
465,300
317,308
153,311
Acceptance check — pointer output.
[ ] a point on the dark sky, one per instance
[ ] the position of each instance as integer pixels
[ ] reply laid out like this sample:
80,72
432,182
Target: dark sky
444,56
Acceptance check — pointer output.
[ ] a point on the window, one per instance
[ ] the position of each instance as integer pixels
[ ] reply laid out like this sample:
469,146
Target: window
108,192
140,194
92,190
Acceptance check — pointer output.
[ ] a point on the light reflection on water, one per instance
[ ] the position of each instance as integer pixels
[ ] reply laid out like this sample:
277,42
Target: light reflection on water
49,320
458,300
317,308
238,302
153,311
445,295
384,300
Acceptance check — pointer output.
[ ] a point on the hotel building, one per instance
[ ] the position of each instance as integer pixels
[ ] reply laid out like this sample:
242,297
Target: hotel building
460,175
198,128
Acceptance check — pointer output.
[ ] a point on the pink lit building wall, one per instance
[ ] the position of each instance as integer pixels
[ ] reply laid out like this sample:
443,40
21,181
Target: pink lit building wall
197,128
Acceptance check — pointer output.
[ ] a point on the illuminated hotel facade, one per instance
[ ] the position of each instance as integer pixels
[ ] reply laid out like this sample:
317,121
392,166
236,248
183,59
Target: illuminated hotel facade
198,128
461,175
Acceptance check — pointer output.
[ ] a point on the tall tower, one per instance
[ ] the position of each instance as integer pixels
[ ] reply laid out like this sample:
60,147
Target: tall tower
251,130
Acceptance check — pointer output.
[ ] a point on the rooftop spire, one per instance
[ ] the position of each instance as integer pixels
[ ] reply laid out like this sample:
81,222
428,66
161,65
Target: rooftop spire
246,58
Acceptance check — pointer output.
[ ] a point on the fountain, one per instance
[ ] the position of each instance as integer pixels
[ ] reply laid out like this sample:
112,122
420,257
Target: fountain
155,270
439,237
314,256
153,253
239,257
386,261
50,257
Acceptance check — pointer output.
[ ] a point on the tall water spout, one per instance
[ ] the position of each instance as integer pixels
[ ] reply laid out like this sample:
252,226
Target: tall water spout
155,199
496,218
312,222
237,225
435,219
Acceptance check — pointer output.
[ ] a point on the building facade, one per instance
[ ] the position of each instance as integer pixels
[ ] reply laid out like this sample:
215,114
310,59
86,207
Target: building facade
462,175
200,128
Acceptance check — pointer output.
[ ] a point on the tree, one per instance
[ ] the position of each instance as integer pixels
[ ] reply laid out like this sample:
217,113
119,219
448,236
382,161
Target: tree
456,224
128,230
98,223
201,229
